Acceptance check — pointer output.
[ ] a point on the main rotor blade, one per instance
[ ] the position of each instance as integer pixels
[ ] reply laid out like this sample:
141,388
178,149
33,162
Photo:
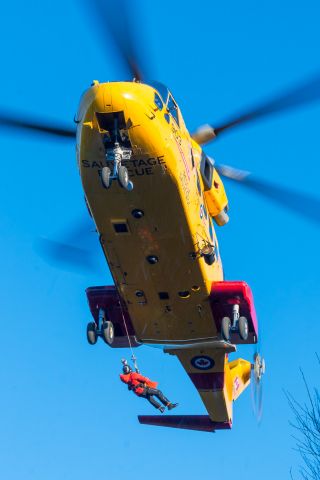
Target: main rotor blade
78,251
302,94
114,18
301,203
13,122
66,257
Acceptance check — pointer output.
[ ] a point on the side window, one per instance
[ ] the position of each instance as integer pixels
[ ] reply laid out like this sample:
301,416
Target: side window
206,168
198,184
192,158
173,109
158,101
211,230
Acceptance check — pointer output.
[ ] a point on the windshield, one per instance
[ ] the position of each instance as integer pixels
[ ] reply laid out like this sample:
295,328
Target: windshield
162,90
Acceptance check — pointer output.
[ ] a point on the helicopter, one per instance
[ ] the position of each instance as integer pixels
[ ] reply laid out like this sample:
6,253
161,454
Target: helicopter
155,198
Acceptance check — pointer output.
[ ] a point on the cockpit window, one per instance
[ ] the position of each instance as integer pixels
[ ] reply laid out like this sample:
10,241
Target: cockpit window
162,90
173,109
158,101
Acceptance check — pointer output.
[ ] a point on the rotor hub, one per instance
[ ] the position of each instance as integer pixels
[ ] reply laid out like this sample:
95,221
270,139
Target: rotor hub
259,367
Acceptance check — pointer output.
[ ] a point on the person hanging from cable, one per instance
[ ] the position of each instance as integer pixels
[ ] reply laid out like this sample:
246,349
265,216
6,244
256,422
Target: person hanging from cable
144,387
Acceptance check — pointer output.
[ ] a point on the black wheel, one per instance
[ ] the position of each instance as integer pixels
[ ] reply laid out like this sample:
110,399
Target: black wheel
123,176
107,332
225,328
105,177
92,335
243,328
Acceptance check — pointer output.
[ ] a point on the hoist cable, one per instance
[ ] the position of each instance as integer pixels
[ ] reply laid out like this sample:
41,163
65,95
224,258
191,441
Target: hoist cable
133,357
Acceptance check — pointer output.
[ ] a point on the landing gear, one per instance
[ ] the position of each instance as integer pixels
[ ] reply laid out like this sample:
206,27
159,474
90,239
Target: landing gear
92,334
239,325
107,332
105,177
225,328
243,328
123,177
103,329
120,172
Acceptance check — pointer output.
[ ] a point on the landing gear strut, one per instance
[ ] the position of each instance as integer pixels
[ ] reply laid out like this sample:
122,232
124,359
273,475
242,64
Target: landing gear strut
120,172
103,329
238,324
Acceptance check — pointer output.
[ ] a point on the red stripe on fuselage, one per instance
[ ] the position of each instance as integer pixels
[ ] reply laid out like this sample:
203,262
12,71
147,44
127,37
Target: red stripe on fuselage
186,166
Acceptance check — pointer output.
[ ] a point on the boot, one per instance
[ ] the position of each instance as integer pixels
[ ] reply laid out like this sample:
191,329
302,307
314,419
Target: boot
162,409
170,406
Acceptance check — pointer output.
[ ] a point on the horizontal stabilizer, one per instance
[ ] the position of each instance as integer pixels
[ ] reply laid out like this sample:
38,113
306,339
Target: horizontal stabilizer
187,422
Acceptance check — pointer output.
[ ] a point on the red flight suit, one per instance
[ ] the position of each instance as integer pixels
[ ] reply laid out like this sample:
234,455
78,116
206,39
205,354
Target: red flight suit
137,382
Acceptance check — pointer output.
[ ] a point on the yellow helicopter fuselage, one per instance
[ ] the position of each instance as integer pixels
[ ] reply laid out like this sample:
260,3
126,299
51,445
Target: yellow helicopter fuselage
166,300
158,237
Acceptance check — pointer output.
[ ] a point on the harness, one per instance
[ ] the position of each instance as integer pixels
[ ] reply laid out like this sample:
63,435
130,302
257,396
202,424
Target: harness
139,385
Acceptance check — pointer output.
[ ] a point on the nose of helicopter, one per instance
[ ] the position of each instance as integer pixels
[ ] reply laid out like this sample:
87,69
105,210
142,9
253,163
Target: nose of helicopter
114,97
129,97
121,108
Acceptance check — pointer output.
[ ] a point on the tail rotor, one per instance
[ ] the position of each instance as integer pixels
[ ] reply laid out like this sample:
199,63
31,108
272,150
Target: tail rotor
258,368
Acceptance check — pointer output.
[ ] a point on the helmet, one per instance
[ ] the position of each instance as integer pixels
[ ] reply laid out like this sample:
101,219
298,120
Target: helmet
126,369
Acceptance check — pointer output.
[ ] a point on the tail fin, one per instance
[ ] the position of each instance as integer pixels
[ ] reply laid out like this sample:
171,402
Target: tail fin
240,372
218,381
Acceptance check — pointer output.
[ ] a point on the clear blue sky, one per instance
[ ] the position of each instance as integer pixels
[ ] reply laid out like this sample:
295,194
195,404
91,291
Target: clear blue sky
64,413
